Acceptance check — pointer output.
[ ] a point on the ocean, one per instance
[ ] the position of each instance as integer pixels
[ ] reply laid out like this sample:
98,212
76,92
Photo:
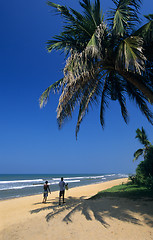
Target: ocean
19,185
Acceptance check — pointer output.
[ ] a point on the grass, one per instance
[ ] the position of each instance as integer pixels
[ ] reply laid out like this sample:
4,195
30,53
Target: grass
128,190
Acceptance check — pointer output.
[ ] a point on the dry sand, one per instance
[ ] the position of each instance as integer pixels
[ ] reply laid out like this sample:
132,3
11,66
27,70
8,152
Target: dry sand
28,218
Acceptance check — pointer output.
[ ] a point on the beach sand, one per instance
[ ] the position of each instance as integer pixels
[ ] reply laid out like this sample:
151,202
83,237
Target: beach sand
27,218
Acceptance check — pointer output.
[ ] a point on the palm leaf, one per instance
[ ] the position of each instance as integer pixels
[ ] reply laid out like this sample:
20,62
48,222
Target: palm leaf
146,31
92,12
86,99
75,25
142,137
117,91
138,153
130,55
104,102
62,10
45,95
70,97
136,95
90,93
124,16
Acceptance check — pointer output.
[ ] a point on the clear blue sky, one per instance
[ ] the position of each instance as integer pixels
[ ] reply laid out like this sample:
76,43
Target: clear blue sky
30,141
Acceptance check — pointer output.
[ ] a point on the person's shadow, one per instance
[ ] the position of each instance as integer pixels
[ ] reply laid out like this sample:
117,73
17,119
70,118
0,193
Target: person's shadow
119,208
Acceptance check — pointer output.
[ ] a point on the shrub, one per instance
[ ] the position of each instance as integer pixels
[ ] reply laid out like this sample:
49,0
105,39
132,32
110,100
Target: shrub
132,179
144,171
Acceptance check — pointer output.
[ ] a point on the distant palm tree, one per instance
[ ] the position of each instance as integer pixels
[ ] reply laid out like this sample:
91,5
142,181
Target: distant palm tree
104,61
143,139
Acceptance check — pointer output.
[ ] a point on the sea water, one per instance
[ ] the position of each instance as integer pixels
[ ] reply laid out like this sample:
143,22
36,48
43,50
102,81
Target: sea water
19,185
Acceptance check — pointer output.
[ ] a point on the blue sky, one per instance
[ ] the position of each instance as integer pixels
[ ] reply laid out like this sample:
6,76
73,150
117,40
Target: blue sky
30,141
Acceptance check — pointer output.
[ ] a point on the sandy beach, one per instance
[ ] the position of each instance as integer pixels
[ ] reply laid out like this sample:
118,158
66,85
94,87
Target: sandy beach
27,218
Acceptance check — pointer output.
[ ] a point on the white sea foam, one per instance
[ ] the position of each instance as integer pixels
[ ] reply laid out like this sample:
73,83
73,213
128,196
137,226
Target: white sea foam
110,175
34,184
84,177
19,187
22,181
69,181
95,177
56,179
12,187
123,175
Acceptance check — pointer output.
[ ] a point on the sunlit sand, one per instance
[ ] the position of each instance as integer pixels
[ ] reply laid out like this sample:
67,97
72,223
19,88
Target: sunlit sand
28,218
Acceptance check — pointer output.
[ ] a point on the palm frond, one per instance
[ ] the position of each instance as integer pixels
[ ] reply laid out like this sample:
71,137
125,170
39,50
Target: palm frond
74,85
68,100
92,12
86,99
122,102
117,91
136,95
80,89
81,79
62,10
75,25
104,102
130,55
138,153
87,62
45,95
124,16
146,31
78,28
63,43
90,93
142,137
149,17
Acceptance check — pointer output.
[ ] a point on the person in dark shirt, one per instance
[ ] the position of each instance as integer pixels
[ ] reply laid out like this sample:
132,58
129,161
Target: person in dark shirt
46,190
62,190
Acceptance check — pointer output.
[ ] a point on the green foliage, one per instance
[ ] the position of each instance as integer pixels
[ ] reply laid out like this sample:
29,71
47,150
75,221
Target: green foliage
106,59
124,16
143,139
144,171
132,191
132,178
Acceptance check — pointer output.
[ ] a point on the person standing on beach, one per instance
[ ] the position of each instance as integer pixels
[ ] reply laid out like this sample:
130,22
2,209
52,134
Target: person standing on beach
62,190
46,190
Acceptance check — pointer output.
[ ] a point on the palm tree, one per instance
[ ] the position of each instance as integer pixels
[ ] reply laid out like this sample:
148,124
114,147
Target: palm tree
106,59
143,139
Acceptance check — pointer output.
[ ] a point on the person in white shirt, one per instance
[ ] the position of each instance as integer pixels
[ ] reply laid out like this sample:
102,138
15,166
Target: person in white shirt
62,190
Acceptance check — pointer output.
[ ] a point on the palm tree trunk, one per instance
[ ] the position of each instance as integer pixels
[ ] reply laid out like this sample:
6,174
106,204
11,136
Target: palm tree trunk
136,80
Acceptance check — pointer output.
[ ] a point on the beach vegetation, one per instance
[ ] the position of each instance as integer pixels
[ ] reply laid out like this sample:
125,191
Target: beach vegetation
144,170
128,190
108,58
143,139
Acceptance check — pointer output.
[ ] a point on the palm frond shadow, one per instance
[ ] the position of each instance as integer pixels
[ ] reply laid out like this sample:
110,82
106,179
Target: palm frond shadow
100,209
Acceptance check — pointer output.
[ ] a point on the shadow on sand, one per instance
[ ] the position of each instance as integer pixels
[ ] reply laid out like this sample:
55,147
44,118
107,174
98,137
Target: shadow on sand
116,208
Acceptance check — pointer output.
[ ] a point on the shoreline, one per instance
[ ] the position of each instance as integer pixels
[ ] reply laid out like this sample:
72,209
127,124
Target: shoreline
35,194
28,218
